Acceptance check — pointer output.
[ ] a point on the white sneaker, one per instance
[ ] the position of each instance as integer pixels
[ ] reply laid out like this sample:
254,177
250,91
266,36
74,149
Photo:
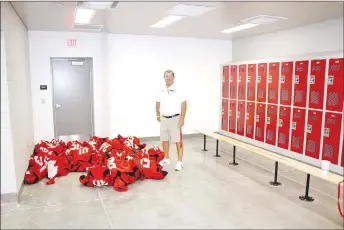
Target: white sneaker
179,166
165,161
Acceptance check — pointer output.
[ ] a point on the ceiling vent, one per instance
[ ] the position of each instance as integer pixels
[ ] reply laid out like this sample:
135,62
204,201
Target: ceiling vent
88,27
97,5
263,19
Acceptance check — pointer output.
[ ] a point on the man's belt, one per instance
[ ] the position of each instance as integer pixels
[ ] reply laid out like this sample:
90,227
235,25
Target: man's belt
171,116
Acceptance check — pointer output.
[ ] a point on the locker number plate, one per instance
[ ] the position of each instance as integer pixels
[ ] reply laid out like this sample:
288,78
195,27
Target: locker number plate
293,126
248,78
282,79
231,79
297,79
280,122
326,132
230,112
258,79
247,116
270,79
312,80
238,114
309,128
239,78
257,118
330,80
268,120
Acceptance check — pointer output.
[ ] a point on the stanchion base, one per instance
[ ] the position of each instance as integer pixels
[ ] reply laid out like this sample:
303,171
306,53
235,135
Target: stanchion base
273,183
233,163
217,155
204,150
308,198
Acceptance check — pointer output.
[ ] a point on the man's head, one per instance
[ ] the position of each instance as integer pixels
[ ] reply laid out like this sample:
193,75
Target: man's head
169,77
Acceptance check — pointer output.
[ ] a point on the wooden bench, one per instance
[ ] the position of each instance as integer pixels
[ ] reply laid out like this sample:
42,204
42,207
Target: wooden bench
304,167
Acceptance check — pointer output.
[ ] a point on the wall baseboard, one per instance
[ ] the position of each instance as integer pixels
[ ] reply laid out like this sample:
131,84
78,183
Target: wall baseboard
157,138
13,196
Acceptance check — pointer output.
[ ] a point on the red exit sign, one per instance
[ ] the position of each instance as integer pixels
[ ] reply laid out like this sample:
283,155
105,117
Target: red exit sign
71,42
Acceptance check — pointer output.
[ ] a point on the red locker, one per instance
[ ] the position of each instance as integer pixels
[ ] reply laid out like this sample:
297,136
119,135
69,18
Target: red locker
273,82
316,84
232,116
242,82
251,82
342,163
261,82
271,124
241,118
250,119
300,83
332,128
225,82
233,82
313,137
286,82
298,130
283,127
260,122
224,125
335,86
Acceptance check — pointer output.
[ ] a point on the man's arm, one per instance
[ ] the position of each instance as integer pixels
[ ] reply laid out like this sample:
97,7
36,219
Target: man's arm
182,115
157,110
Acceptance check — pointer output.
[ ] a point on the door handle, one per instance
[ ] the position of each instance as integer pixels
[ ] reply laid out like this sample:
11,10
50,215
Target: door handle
58,106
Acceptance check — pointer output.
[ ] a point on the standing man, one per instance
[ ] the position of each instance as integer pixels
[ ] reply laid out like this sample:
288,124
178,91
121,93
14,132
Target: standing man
170,112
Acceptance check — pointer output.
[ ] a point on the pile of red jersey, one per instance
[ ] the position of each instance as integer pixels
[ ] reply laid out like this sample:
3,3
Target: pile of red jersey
114,162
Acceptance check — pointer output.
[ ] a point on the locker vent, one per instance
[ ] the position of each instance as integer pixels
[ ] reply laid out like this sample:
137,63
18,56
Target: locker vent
315,97
272,93
249,129
297,115
269,135
261,93
231,125
298,96
328,151
295,142
250,92
311,146
283,113
260,109
281,138
313,118
331,121
332,99
239,127
259,132
284,94
233,91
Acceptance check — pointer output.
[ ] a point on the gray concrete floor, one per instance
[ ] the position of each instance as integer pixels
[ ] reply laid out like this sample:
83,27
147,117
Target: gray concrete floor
208,193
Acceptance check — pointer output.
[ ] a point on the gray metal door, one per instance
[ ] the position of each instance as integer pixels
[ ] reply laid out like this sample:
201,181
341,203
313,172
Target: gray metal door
73,100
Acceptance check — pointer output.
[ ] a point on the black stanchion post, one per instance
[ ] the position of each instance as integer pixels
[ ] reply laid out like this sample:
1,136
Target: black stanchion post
234,163
217,149
306,197
275,182
205,143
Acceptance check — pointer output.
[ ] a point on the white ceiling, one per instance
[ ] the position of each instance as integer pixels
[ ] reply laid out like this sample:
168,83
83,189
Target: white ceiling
137,17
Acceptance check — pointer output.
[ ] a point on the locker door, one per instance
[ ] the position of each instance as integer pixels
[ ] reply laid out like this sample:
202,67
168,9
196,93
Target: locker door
251,82
333,124
225,82
342,163
313,137
286,82
261,82
271,124
298,130
300,83
317,84
241,118
232,116
250,119
284,127
335,86
224,125
260,122
233,82
242,82
273,82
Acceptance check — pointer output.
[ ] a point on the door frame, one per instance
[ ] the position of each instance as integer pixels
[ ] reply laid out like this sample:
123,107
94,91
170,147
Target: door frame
91,88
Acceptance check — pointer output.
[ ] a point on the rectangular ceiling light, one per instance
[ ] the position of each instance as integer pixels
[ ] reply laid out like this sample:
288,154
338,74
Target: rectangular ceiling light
168,20
97,5
239,28
189,10
83,16
263,19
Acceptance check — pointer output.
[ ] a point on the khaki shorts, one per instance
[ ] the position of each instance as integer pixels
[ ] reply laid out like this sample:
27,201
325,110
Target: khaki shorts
169,129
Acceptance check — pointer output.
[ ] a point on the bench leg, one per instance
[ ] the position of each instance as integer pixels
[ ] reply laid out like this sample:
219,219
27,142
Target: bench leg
234,163
306,197
275,182
205,143
217,149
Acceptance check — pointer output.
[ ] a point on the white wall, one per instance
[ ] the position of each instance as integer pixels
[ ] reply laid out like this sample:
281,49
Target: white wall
127,68
20,104
136,68
313,39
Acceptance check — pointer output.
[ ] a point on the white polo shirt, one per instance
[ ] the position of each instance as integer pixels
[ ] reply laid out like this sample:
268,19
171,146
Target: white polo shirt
170,99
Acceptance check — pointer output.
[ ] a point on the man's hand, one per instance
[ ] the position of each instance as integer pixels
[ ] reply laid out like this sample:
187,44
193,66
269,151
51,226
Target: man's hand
158,118
181,123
